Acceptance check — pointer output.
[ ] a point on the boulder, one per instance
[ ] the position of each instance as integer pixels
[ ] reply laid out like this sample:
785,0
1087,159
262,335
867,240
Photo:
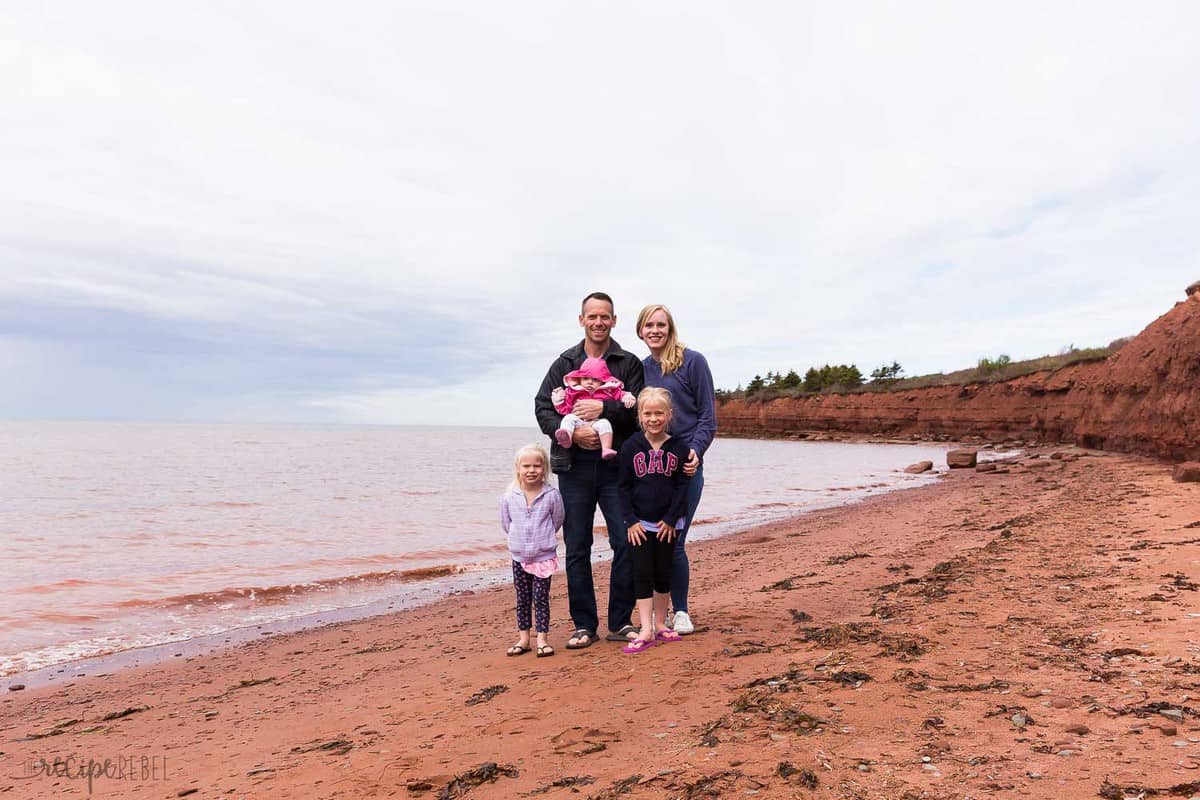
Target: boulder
1187,472
961,459
919,467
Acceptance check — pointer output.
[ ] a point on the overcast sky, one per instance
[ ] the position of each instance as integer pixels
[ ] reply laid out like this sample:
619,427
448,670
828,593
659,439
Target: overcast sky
388,212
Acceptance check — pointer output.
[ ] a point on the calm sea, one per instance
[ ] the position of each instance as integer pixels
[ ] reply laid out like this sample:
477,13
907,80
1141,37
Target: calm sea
120,536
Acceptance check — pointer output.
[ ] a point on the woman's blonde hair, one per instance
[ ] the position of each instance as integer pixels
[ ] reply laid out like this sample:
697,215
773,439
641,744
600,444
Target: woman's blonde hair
656,394
672,357
530,450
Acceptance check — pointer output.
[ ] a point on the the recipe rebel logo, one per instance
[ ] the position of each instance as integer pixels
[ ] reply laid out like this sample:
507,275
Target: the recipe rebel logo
126,767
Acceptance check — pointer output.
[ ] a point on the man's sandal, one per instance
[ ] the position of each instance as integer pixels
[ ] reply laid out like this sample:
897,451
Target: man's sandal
582,638
626,633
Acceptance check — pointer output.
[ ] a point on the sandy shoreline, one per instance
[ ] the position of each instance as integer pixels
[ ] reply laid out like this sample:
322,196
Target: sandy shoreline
1014,634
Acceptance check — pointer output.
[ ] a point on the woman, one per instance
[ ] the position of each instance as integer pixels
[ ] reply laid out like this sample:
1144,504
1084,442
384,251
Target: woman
685,374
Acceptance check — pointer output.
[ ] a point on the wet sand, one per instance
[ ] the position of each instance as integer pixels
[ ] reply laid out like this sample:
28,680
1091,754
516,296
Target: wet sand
1019,633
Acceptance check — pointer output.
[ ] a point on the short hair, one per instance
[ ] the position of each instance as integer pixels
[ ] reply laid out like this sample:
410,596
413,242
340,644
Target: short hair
656,394
531,450
598,296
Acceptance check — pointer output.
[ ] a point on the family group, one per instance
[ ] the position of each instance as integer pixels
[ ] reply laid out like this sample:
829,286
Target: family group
628,435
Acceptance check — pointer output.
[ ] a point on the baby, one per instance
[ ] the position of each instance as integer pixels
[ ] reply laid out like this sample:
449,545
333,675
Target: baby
592,381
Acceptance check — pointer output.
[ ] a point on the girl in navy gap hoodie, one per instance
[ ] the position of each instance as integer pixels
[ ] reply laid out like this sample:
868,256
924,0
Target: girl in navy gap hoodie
653,490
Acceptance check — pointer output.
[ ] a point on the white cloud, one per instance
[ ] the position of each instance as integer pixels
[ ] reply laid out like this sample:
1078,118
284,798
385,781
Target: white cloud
441,183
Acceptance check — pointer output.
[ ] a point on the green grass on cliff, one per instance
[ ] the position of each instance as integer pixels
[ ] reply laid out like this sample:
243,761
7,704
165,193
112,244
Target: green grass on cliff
986,371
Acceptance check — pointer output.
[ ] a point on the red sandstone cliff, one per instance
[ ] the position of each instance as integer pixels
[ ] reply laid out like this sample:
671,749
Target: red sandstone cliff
1143,399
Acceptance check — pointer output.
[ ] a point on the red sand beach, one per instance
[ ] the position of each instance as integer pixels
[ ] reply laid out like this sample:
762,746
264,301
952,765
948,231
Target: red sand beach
1026,632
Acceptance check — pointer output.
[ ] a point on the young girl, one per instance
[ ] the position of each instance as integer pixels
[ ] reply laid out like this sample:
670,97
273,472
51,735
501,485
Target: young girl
653,489
531,512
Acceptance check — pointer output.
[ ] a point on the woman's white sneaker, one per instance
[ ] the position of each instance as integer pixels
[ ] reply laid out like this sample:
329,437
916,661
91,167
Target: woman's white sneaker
683,624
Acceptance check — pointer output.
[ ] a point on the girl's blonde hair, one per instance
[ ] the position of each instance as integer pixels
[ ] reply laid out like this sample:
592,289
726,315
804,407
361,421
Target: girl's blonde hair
656,394
672,354
530,450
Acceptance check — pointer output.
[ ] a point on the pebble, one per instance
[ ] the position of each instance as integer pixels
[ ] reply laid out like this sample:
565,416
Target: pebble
1065,752
1167,730
1034,775
1079,730
16,687
1179,743
926,759
1061,702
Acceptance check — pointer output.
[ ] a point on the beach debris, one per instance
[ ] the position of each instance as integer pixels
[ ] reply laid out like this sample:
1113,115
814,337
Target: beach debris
801,777
488,772
579,742
1118,652
903,646
16,687
486,693
849,677
771,706
1187,472
380,648
246,683
618,788
786,584
124,713
919,467
961,459
787,681
845,557
186,792
1180,581
260,771
569,781
719,785
57,729
748,648
1113,791
993,685
335,747
800,616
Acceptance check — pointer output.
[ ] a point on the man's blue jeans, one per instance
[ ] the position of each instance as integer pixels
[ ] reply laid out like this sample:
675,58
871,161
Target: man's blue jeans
592,481
680,569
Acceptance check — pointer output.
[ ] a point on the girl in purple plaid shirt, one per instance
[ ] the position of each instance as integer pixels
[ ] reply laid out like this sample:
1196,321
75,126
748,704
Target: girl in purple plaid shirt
531,512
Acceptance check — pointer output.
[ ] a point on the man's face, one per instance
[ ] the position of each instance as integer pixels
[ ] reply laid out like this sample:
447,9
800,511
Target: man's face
597,321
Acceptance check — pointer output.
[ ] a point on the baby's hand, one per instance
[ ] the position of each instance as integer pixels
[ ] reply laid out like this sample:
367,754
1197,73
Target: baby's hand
628,400
556,397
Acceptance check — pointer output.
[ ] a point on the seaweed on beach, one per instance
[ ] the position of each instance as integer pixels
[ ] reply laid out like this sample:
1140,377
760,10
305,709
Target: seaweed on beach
488,772
786,584
618,788
849,677
993,685
787,681
568,782
721,784
847,557
805,778
777,709
486,693
336,747
124,713
1133,791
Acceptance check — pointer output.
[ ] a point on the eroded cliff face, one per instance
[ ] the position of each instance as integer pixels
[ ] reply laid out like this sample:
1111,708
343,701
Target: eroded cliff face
1144,399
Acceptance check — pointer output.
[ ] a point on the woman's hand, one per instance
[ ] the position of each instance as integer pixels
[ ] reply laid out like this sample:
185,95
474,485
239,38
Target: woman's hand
665,532
637,534
588,410
692,464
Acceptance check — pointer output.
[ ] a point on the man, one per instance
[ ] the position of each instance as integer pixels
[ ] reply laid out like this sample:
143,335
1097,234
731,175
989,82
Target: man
585,479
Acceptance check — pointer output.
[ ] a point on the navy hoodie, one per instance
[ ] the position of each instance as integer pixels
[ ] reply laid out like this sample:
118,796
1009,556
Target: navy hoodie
652,483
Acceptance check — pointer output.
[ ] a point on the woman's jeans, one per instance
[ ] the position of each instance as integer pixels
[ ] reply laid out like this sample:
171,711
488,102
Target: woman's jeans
680,570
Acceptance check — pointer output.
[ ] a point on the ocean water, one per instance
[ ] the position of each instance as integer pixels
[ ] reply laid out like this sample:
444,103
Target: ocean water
120,536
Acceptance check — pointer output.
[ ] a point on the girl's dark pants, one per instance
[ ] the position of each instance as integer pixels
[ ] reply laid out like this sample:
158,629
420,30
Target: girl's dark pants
651,566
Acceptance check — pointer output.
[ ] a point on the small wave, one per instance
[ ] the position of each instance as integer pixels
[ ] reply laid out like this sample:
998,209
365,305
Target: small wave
266,595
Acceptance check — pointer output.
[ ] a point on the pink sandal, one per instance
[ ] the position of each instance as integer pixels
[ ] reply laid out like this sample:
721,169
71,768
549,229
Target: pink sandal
667,636
638,646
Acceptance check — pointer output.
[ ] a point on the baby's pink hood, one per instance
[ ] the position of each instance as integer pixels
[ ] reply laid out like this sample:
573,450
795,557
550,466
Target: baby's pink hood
591,368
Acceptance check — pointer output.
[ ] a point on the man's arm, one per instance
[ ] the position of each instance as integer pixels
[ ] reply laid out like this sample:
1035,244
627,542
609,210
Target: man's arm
548,418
